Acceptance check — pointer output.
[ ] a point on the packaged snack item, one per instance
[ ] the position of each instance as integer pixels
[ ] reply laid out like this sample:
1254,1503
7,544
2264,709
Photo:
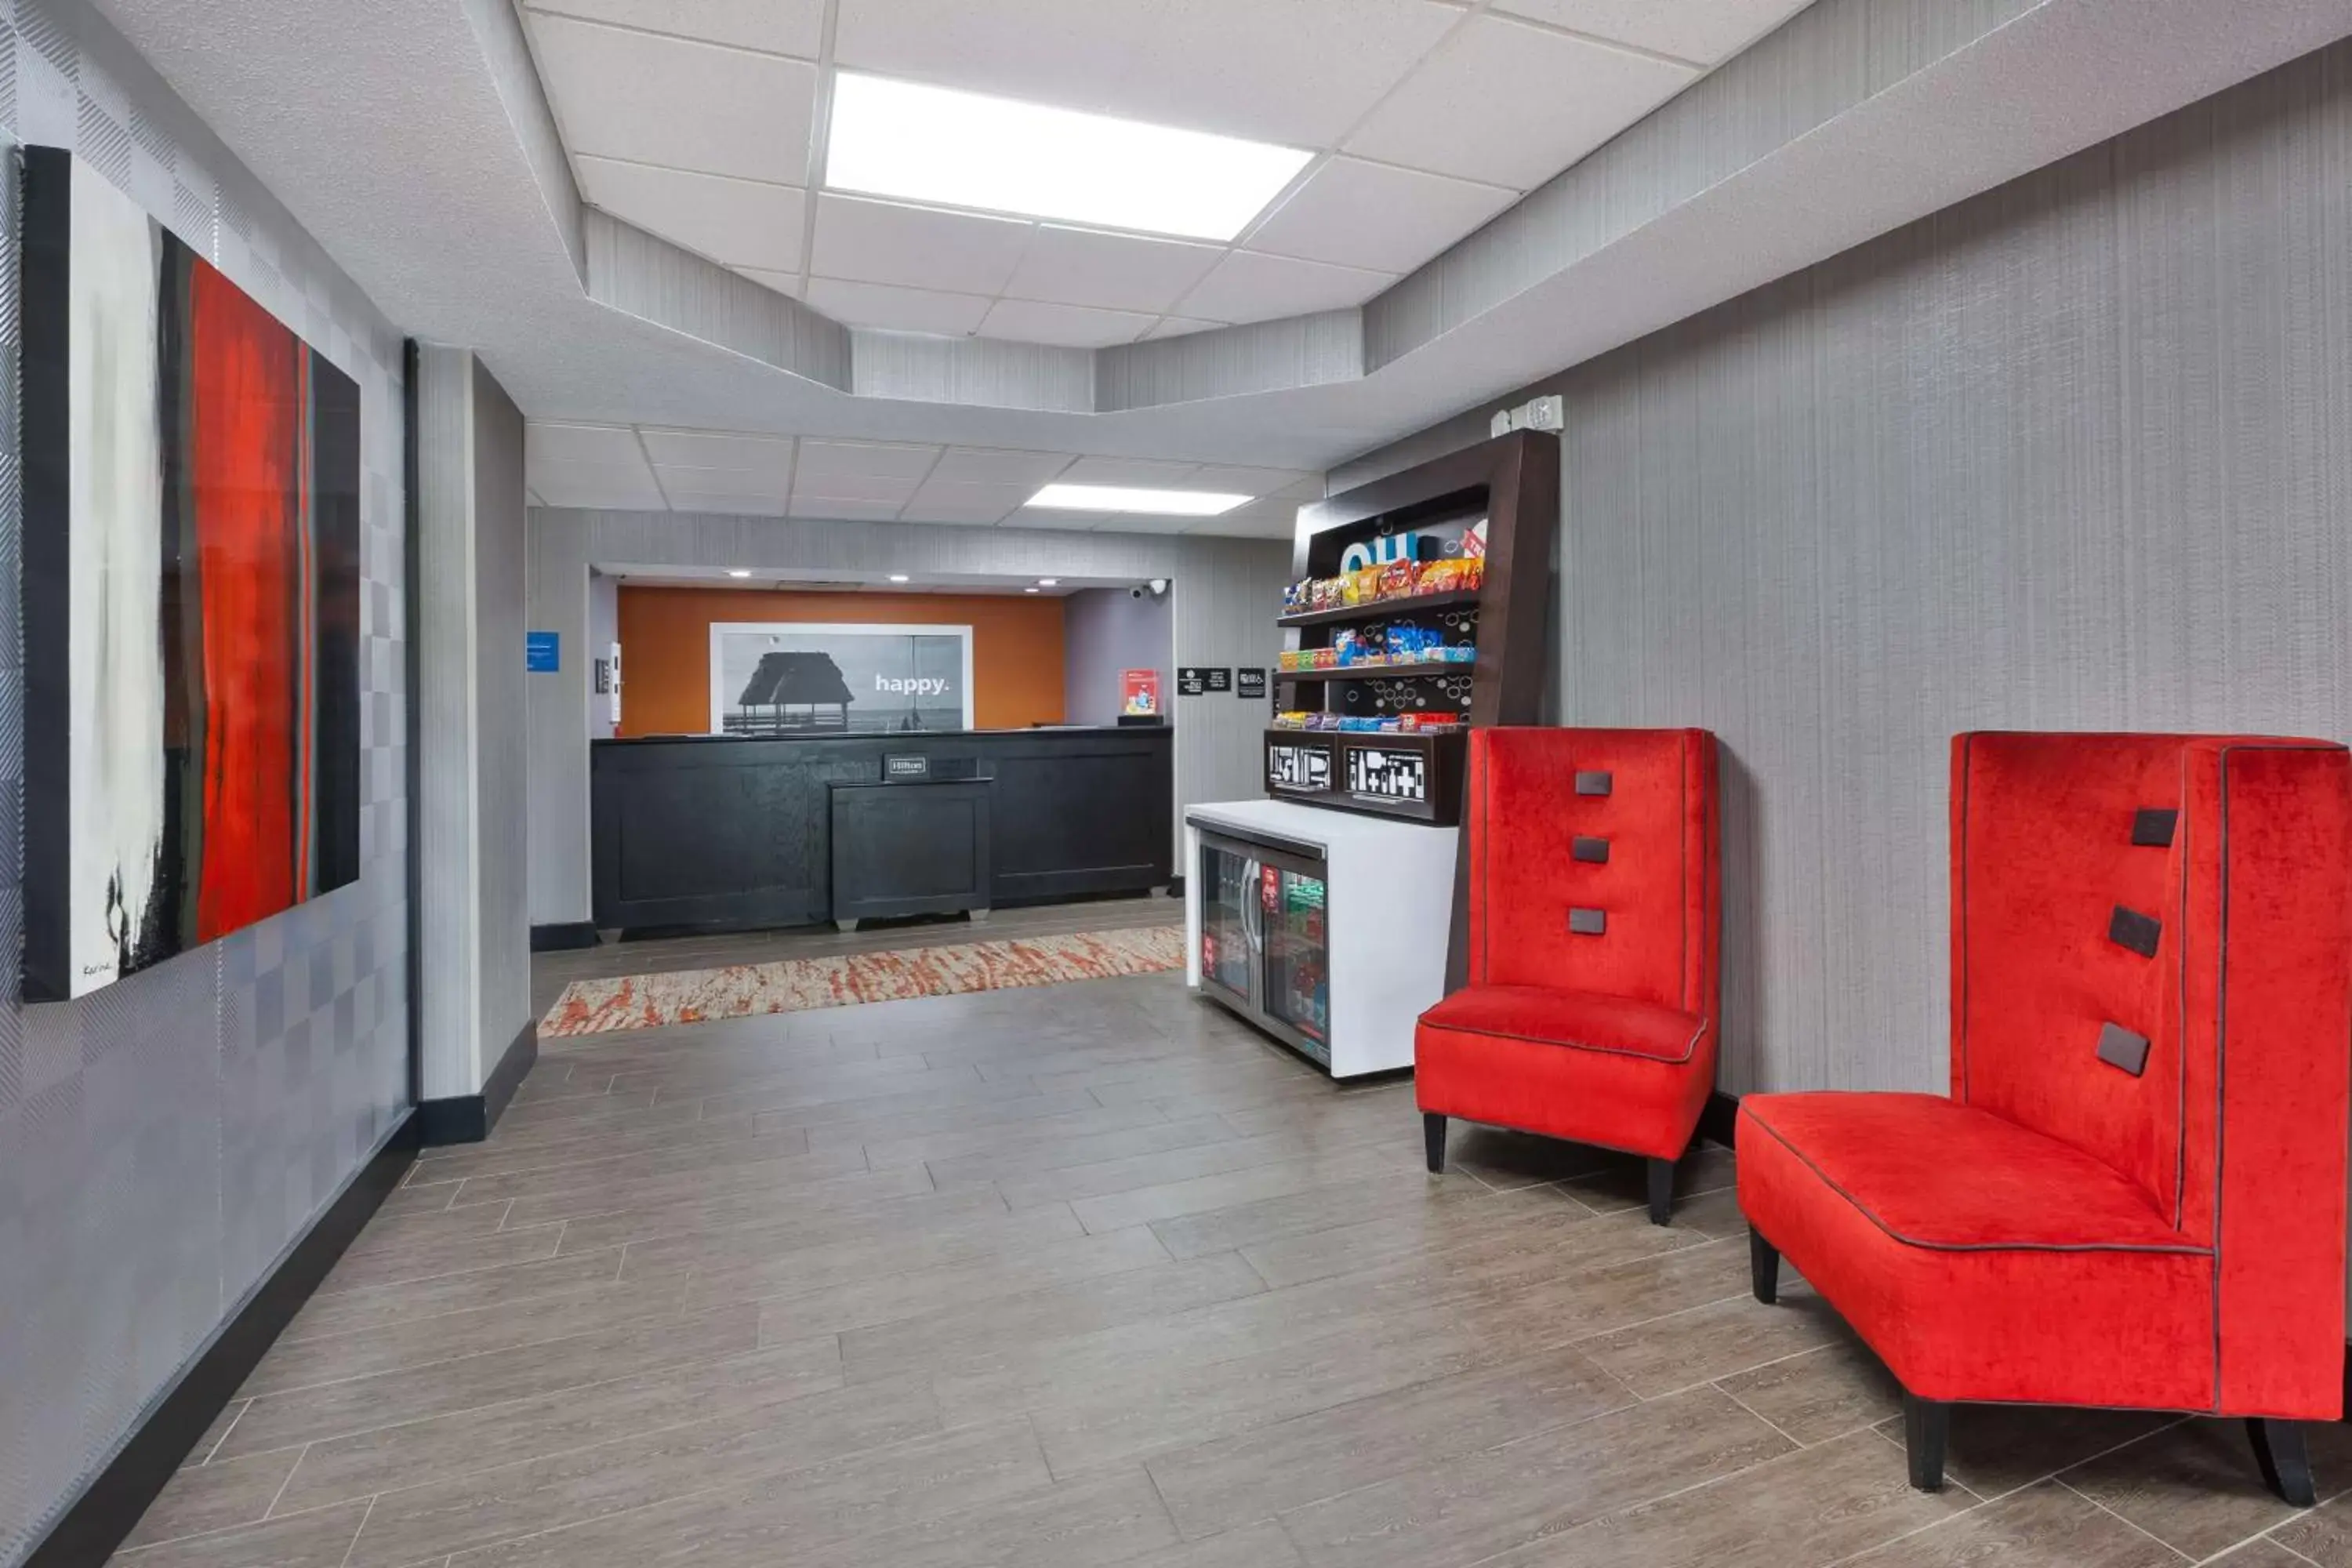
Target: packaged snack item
1397,579
1474,572
1326,659
1347,647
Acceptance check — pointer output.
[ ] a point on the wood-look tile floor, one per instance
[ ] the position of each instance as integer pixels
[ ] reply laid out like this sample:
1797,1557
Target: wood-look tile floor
1093,1275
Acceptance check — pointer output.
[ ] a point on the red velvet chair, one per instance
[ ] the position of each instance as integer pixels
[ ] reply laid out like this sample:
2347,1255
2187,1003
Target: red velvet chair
1595,903
2134,1195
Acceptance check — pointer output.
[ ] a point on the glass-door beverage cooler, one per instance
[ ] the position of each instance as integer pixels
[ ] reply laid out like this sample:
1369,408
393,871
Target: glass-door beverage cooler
1264,945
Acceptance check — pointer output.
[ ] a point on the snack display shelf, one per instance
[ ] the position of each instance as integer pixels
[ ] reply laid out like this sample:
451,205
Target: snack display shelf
1381,609
1380,671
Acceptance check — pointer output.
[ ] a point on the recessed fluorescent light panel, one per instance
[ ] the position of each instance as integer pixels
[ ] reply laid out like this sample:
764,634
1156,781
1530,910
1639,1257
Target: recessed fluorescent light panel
1117,498
962,149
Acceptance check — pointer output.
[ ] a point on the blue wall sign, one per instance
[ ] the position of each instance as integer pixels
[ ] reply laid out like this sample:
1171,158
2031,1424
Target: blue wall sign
541,652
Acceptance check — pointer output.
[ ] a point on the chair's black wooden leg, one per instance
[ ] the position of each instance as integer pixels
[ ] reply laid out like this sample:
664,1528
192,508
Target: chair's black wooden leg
1763,1267
1432,1132
1662,1191
1926,1424
2285,1462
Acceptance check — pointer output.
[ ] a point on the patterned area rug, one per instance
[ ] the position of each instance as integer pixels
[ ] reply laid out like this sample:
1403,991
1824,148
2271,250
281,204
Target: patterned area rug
789,986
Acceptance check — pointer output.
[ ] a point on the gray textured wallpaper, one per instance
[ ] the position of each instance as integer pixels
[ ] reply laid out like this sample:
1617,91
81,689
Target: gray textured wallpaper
2076,454
163,1141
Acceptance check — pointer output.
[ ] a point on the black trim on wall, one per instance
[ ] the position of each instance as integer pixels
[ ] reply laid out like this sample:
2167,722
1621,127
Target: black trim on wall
468,1118
110,1507
412,659
563,935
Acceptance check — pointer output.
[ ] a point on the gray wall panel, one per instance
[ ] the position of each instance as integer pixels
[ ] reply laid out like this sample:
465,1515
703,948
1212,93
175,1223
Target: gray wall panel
502,751
164,1141
2074,453
1105,632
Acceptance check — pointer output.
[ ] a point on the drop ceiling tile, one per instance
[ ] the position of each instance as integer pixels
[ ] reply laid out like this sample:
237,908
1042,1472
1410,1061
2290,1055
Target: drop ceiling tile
1181,327
1256,482
727,503
1138,523
1055,522
1513,105
1706,31
1111,271
991,466
720,449
824,462
1144,473
857,488
687,105
1249,285
916,248
781,282
1065,326
737,223
1376,216
899,310
1298,71
949,502
598,485
837,510
543,442
777,27
1268,520
722,482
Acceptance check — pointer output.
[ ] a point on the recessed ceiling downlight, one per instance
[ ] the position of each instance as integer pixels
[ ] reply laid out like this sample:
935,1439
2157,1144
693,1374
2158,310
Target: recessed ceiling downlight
1120,498
925,144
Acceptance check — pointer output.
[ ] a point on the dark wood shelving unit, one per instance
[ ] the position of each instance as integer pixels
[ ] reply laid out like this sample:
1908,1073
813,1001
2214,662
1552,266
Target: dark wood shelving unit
1380,610
1512,483
1378,672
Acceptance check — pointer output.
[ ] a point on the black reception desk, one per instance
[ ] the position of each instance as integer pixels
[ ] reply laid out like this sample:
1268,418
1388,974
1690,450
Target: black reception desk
725,833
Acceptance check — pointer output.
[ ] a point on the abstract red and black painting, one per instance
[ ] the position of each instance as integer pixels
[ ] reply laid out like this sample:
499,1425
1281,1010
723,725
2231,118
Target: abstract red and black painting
191,595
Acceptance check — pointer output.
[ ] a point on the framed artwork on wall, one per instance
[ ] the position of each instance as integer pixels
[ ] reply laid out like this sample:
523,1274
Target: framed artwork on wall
790,678
192,603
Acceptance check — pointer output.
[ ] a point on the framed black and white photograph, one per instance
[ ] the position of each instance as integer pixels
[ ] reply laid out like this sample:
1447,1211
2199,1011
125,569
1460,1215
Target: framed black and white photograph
792,678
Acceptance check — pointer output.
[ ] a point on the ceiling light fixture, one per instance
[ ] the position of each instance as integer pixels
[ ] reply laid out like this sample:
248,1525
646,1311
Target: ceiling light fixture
1033,590
737,571
1049,582
1120,497
898,576
965,149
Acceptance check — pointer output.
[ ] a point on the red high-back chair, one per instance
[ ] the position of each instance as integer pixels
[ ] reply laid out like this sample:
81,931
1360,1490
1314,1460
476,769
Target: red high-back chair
2135,1193
1595,901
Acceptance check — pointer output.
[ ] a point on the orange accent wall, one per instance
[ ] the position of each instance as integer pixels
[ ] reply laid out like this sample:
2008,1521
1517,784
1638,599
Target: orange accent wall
1016,647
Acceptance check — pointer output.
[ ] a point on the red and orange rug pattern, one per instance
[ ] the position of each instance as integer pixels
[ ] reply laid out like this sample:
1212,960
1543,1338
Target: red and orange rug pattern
792,985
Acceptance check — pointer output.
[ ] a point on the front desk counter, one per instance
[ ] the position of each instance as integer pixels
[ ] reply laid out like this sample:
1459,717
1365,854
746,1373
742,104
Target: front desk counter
705,832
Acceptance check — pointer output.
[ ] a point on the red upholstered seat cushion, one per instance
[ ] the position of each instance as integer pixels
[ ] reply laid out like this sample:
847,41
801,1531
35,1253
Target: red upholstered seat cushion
1931,1173
1577,1020
1981,1259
